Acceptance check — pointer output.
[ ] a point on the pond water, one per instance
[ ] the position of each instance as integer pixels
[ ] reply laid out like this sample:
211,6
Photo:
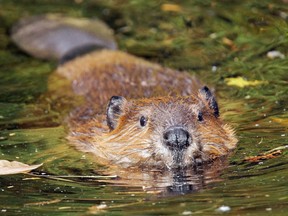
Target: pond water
215,40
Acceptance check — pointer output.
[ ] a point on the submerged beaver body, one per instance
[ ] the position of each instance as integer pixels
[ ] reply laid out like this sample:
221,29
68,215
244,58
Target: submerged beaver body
135,113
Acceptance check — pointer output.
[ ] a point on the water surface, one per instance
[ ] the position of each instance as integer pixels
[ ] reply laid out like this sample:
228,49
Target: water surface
213,39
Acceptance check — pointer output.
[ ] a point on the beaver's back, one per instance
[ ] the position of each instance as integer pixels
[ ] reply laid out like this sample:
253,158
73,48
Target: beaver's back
101,74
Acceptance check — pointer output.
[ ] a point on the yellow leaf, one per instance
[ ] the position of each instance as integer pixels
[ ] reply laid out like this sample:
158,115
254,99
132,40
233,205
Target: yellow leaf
283,121
229,43
15,167
241,82
171,7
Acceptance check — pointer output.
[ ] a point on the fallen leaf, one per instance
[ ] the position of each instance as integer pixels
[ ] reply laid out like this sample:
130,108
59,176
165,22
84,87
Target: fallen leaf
241,82
229,43
282,121
15,167
171,7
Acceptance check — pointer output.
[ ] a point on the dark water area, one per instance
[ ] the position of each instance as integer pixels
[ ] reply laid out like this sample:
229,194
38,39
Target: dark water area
217,41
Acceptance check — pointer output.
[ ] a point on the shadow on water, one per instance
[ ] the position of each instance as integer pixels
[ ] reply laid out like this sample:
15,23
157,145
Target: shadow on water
233,38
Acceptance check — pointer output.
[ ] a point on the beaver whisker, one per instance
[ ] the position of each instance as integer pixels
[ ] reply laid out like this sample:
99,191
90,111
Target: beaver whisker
216,148
123,136
136,153
209,129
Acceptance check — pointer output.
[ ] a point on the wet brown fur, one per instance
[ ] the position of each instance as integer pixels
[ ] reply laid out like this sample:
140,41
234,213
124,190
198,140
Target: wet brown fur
164,95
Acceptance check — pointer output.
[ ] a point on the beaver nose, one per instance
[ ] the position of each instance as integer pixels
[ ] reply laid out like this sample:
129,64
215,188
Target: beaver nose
176,138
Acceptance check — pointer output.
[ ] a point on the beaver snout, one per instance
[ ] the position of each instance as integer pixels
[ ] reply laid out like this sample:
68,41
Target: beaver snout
176,138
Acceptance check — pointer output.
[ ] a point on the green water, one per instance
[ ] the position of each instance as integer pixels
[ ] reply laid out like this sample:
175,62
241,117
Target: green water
192,39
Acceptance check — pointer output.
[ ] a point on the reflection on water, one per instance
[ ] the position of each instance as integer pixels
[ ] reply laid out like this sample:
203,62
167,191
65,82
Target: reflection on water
172,182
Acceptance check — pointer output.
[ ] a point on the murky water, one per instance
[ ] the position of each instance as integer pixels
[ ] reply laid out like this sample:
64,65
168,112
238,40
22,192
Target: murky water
233,38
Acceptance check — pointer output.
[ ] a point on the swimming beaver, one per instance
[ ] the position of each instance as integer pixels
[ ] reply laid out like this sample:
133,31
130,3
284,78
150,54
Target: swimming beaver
160,117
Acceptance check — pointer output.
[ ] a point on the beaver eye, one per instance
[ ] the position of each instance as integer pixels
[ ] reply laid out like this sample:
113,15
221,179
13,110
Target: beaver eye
200,116
143,121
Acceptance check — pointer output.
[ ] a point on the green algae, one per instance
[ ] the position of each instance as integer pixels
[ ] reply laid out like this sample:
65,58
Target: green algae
213,39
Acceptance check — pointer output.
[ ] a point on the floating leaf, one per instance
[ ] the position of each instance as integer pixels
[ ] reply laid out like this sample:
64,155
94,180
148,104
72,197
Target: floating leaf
171,7
280,121
229,43
241,82
15,167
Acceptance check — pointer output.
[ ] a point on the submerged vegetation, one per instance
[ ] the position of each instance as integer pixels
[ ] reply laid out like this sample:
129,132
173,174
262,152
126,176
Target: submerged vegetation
240,42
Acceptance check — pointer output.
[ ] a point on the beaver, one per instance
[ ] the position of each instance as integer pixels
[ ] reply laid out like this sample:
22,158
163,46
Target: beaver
135,113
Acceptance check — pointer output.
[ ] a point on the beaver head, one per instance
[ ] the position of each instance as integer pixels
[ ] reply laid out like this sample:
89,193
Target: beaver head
166,131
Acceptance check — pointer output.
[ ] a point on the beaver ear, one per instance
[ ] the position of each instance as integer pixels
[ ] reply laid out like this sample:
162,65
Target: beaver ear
209,97
114,110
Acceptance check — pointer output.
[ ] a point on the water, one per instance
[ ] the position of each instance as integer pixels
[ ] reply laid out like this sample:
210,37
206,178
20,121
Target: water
194,39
